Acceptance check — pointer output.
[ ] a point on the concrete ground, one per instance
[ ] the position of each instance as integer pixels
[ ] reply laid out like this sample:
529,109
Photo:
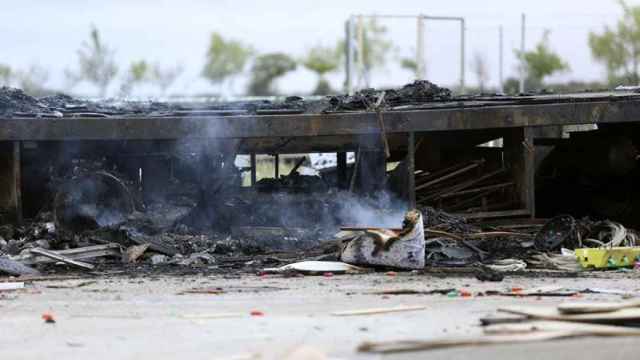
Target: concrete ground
147,318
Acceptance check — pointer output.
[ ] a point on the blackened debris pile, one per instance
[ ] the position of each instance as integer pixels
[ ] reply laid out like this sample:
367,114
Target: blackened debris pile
16,101
418,92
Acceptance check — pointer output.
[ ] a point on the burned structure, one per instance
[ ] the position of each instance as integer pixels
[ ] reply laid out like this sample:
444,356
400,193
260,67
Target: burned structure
91,166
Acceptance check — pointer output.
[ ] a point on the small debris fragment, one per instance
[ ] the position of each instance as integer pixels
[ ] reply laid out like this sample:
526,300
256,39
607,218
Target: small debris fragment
48,318
256,313
11,286
159,259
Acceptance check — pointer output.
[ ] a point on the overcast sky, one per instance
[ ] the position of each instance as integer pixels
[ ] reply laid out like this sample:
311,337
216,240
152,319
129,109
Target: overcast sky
48,33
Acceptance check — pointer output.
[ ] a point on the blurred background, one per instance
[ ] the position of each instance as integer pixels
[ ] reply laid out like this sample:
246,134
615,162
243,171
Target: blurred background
227,49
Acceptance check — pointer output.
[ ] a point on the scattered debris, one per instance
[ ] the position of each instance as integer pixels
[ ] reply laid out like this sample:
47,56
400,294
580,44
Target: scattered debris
134,252
62,258
488,274
403,249
159,259
71,285
81,253
411,292
12,267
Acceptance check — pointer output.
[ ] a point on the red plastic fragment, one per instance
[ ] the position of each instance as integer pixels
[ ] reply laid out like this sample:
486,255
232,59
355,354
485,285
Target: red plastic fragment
48,318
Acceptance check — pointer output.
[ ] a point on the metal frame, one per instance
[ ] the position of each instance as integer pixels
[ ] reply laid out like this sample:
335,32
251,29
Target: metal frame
351,30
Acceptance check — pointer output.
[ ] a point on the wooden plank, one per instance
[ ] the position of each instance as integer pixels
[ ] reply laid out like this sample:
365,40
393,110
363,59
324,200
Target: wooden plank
411,169
17,180
375,311
248,126
494,214
62,258
81,253
552,313
448,176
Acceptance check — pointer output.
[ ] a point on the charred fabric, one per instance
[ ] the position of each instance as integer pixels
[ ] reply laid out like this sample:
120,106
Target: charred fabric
184,203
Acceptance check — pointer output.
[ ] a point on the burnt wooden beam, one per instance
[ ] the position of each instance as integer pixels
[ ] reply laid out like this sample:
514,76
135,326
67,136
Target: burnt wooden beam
342,169
254,164
10,180
459,118
519,157
411,169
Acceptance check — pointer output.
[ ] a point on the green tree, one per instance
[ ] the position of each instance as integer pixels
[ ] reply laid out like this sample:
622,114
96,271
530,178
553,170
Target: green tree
372,47
409,64
322,60
619,48
33,79
6,75
225,59
138,73
541,62
165,77
266,69
96,63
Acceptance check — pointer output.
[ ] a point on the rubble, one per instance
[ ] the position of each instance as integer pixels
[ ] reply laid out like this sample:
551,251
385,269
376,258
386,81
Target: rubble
402,248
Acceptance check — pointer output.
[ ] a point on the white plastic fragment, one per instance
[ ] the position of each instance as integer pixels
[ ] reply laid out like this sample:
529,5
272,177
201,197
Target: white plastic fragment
9,286
319,267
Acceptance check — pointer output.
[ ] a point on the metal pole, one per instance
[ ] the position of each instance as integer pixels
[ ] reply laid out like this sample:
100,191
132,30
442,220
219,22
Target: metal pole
360,34
522,64
501,60
420,65
462,57
348,44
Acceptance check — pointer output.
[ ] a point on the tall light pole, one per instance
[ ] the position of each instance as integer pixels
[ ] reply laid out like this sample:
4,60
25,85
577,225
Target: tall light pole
501,60
522,48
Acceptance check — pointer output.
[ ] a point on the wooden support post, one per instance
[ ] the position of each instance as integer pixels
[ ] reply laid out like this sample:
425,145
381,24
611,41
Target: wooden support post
253,169
10,181
17,178
520,159
276,166
342,169
411,168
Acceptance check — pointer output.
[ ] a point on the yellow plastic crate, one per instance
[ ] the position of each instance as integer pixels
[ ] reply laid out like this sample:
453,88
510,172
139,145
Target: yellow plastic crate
608,258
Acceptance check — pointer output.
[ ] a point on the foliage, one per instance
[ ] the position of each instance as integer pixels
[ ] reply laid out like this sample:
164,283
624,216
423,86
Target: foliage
6,75
375,46
267,68
541,62
96,63
33,79
322,60
619,48
410,64
225,59
165,77
138,72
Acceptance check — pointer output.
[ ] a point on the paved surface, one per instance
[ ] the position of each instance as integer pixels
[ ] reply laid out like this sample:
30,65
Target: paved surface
146,318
